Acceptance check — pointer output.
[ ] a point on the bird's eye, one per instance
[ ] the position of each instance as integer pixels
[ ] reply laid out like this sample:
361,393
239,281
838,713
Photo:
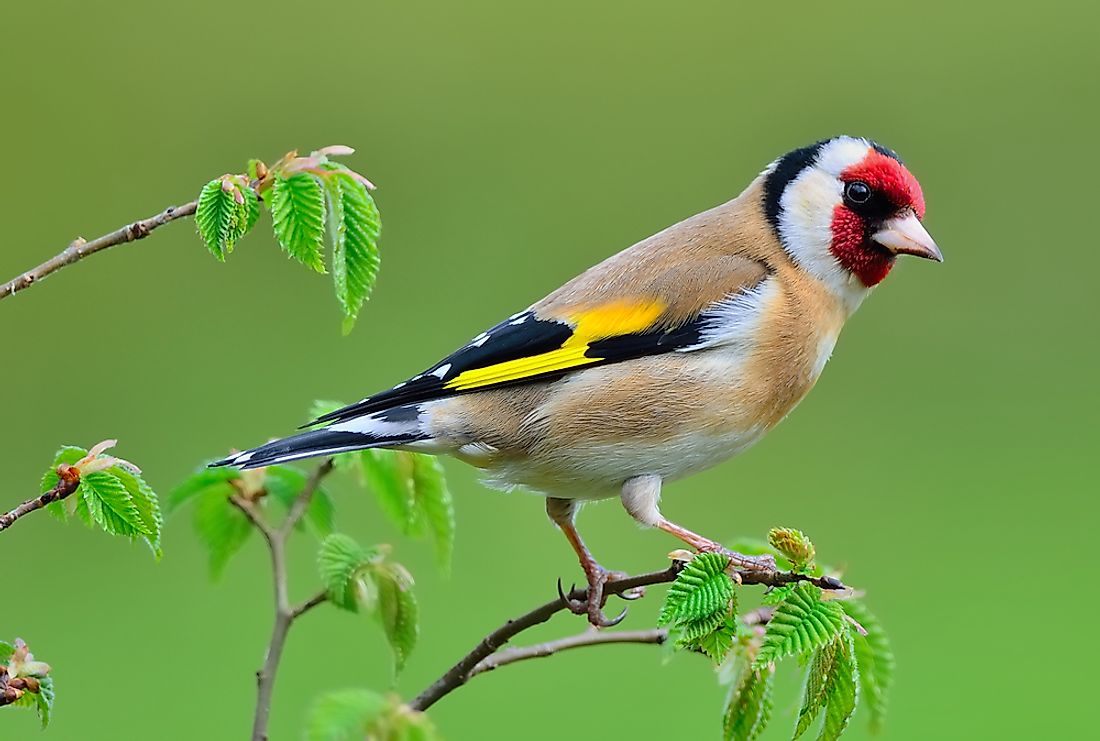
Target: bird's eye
857,191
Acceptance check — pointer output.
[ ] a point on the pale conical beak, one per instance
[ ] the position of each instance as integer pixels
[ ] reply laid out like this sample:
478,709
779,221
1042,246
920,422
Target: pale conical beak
905,235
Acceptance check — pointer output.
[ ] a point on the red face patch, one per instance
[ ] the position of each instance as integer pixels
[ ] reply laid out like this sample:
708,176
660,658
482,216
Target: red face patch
851,240
890,177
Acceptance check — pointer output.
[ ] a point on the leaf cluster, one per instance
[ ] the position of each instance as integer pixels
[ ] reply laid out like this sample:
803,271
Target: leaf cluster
357,578
111,494
26,679
701,607
842,643
313,201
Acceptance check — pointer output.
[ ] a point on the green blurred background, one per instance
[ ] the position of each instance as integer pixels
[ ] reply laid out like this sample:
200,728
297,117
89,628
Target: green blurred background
945,455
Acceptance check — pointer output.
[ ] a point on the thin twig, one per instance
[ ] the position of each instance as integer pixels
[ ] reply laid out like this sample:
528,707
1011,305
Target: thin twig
465,668
309,604
285,613
301,502
588,638
458,674
65,486
80,248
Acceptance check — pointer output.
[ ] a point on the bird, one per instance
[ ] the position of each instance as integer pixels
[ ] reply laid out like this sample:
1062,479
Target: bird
665,359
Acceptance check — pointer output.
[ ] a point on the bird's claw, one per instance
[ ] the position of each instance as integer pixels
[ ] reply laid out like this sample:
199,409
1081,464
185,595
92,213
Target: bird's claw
592,606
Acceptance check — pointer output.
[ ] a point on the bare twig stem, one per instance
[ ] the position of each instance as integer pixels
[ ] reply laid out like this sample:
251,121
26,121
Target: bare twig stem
489,647
458,674
80,249
301,502
588,638
285,613
65,487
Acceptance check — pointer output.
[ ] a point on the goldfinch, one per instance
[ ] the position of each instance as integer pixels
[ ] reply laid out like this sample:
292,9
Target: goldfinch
664,359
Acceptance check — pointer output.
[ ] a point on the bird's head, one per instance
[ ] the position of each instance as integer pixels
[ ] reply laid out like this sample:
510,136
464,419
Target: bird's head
844,209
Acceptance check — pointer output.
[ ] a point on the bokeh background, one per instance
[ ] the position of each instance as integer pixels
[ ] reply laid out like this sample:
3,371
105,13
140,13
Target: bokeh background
947,456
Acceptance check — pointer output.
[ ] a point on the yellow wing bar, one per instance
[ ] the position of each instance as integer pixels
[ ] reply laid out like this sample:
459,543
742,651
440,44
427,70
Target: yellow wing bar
601,322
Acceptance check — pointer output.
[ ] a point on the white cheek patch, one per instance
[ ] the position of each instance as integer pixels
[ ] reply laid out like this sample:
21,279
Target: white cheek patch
806,218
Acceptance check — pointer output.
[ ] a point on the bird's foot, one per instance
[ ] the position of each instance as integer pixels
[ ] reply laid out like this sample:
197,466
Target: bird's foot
596,598
765,562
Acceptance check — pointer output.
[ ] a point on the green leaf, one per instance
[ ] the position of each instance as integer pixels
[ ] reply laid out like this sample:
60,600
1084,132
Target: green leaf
251,210
41,701
398,610
841,690
148,506
110,505
715,642
198,483
801,623
6,652
433,499
67,455
874,659
354,228
347,715
757,547
778,594
814,696
221,527
389,476
218,219
341,562
701,590
285,483
749,707
298,214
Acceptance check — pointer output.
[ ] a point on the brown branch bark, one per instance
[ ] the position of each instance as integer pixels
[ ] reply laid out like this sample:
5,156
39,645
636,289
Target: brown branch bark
66,486
285,613
588,638
491,644
80,248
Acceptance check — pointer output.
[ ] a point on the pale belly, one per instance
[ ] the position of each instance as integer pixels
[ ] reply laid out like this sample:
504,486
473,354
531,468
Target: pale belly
598,470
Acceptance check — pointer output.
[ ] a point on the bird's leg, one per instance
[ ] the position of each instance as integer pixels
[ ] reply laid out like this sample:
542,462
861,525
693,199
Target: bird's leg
562,512
640,497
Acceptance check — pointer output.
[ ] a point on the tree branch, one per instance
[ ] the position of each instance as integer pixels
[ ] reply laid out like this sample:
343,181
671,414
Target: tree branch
285,613
79,249
483,653
66,486
588,638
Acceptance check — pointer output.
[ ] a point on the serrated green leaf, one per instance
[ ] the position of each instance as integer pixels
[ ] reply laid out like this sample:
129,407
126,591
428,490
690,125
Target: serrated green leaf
757,547
388,474
354,228
814,696
221,527
841,690
148,506
217,219
110,505
801,623
341,562
714,642
874,660
251,210
298,215
285,483
346,715
198,483
434,501
778,594
398,609
6,652
749,707
701,590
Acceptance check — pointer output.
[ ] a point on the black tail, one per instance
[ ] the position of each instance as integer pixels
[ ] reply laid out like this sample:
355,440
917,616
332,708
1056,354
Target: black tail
308,445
